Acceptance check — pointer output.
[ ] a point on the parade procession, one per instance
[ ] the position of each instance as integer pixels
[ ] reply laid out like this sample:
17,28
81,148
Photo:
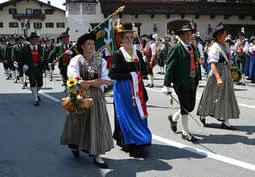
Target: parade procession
127,88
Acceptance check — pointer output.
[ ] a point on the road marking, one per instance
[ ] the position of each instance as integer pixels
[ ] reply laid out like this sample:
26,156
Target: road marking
50,97
192,149
240,104
247,106
205,153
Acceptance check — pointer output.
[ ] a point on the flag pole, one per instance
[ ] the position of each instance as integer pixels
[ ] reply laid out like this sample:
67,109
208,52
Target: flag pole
120,9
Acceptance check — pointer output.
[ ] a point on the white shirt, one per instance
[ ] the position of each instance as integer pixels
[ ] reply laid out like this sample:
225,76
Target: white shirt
252,48
153,48
186,46
200,49
32,47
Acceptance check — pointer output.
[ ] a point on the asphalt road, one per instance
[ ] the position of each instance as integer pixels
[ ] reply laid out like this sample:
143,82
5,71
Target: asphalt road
29,139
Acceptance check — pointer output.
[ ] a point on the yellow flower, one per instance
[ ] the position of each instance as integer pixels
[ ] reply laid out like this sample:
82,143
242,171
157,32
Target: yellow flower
71,82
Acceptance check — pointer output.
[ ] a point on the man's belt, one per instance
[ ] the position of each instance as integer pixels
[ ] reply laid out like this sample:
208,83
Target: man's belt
192,74
35,65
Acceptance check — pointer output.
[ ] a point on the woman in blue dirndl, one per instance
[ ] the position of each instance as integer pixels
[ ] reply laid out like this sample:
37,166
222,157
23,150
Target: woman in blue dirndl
127,67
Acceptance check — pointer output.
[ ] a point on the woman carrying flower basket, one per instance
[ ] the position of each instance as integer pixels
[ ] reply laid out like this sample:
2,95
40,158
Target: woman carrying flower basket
218,99
87,129
127,68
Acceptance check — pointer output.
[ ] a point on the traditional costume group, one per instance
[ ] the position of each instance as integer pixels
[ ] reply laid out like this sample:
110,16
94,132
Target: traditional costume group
90,131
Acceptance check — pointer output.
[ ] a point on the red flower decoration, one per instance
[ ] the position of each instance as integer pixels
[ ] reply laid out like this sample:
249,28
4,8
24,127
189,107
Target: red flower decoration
78,78
136,60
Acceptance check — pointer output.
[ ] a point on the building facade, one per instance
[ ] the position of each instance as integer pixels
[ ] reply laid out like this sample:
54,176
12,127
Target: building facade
81,14
164,16
49,21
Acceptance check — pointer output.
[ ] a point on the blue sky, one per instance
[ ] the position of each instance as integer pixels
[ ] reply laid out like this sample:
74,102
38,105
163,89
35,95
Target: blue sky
57,3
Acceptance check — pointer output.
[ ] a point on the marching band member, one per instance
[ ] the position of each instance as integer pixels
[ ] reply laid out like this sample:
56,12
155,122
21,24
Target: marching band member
62,48
7,58
241,49
33,57
17,62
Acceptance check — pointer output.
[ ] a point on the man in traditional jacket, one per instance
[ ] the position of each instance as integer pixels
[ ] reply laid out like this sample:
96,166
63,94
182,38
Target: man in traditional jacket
183,70
7,58
48,48
241,48
17,62
63,49
150,53
33,57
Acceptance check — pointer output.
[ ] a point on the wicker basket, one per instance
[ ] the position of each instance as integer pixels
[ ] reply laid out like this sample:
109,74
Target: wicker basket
87,103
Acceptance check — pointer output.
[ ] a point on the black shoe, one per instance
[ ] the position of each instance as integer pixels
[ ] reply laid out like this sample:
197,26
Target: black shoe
173,123
136,154
202,121
243,84
15,81
39,99
224,126
147,85
24,86
151,85
36,103
76,153
101,165
8,78
162,73
158,72
189,137
239,83
125,148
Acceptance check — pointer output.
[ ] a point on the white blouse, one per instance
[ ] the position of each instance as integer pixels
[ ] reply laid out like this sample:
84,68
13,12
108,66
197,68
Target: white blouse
213,54
73,69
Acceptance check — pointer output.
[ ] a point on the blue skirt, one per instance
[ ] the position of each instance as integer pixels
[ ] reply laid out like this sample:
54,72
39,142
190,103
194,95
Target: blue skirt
134,129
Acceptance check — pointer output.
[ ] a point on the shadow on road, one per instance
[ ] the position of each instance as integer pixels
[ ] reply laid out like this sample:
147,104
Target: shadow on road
156,161
225,139
248,129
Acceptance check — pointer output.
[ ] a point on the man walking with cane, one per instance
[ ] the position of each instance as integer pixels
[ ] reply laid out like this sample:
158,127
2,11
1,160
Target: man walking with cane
183,70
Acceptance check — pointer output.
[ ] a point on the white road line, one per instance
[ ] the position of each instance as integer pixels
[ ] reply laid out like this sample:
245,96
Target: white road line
247,106
189,148
50,97
240,104
205,153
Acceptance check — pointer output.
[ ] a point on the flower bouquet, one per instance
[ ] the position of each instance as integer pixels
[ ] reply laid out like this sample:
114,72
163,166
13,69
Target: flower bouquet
77,102
236,74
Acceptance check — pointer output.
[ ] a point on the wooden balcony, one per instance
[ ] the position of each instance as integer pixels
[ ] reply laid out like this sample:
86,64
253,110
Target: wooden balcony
31,16
185,7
